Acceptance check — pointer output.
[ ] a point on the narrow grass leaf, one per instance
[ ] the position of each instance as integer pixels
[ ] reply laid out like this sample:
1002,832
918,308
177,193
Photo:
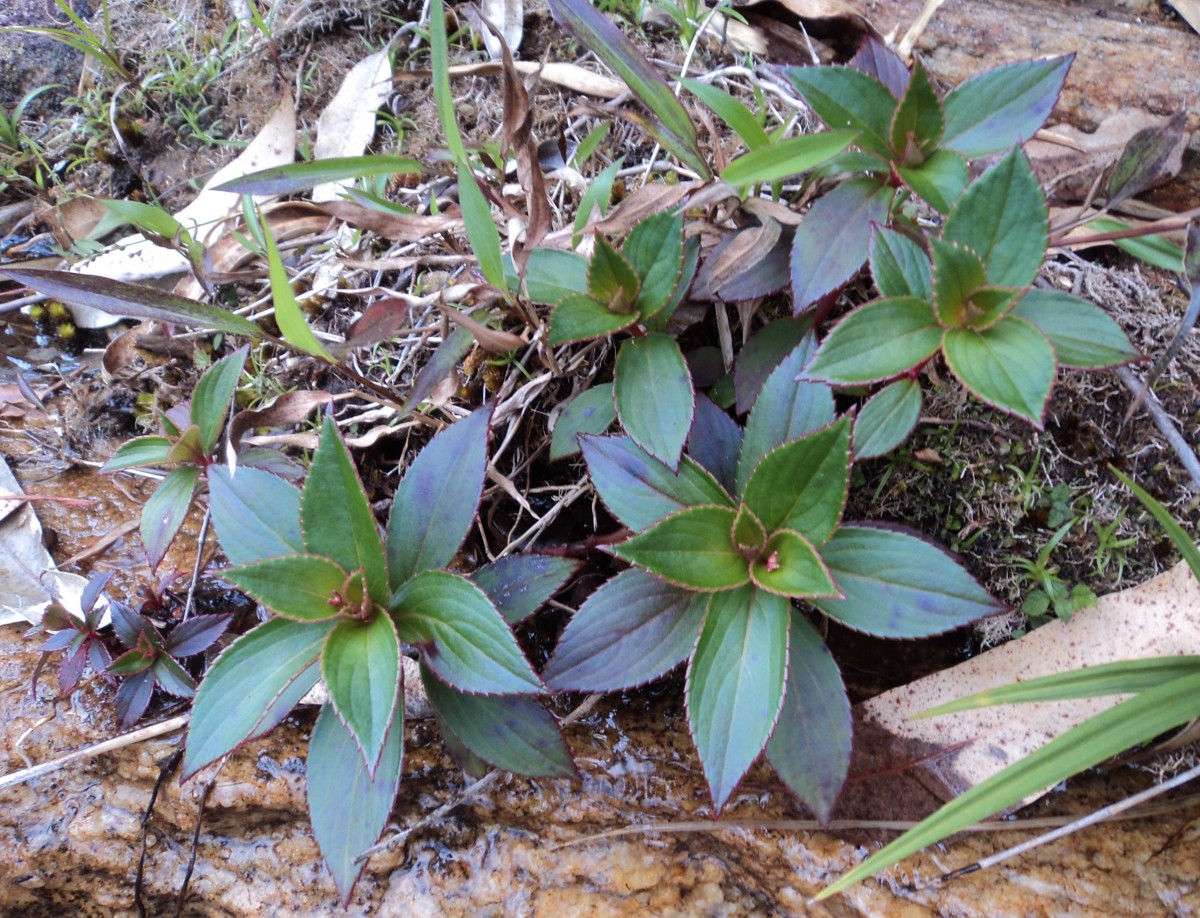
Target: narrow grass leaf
481,228
213,394
1179,537
786,158
295,177
288,314
731,111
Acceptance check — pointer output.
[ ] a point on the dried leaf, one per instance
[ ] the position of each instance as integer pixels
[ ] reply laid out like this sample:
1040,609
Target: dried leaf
648,200
288,409
491,340
507,18
347,124
396,227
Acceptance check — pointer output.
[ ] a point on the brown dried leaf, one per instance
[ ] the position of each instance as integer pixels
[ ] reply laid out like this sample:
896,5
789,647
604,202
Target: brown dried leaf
490,339
288,409
645,202
396,227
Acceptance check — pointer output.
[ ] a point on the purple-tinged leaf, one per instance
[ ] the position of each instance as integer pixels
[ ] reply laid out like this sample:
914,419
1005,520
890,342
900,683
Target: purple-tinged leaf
691,549
305,588
519,585
70,671
512,732
336,518
607,42
632,630
466,642
173,678
764,352
790,566
939,180
590,412
139,451
1144,159
133,697
653,393
243,683
810,748
360,663
887,419
214,392
436,501
283,703
899,265
197,634
762,274
877,341
1011,366
120,299
91,594
735,683
715,442
189,448
1191,255
638,489
918,123
257,514
441,364
897,585
957,272
995,109
848,99
877,59
166,510
294,177
60,640
349,806
1002,217
830,245
128,625
581,317
802,484
270,460
786,408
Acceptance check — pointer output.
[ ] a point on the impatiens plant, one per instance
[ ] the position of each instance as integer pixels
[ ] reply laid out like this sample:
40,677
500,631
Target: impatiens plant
722,551
347,602
970,298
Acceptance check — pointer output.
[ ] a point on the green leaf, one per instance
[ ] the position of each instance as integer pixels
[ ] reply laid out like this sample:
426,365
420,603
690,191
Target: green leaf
514,733
638,489
580,317
481,228
347,804
1002,217
436,501
887,419
214,392
790,566
465,641
988,305
957,272
802,484
918,123
765,351
735,683
166,510
630,631
899,265
1122,727
715,442
335,516
654,249
1010,366
731,111
597,197
898,585
786,157
1154,250
1180,538
240,686
810,748
120,299
939,180
590,412
439,53
139,451
1082,334
749,536
445,358
786,408
877,341
551,274
257,514
830,245
519,585
361,666
1003,106
691,548
299,587
294,177
612,279
288,314
848,99
610,45
188,448
1125,677
654,396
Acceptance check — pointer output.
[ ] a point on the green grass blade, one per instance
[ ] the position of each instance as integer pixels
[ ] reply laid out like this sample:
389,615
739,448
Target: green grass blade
288,314
1187,548
440,53
481,228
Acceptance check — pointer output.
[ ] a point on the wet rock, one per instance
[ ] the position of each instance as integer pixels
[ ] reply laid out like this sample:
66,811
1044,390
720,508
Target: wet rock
74,836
